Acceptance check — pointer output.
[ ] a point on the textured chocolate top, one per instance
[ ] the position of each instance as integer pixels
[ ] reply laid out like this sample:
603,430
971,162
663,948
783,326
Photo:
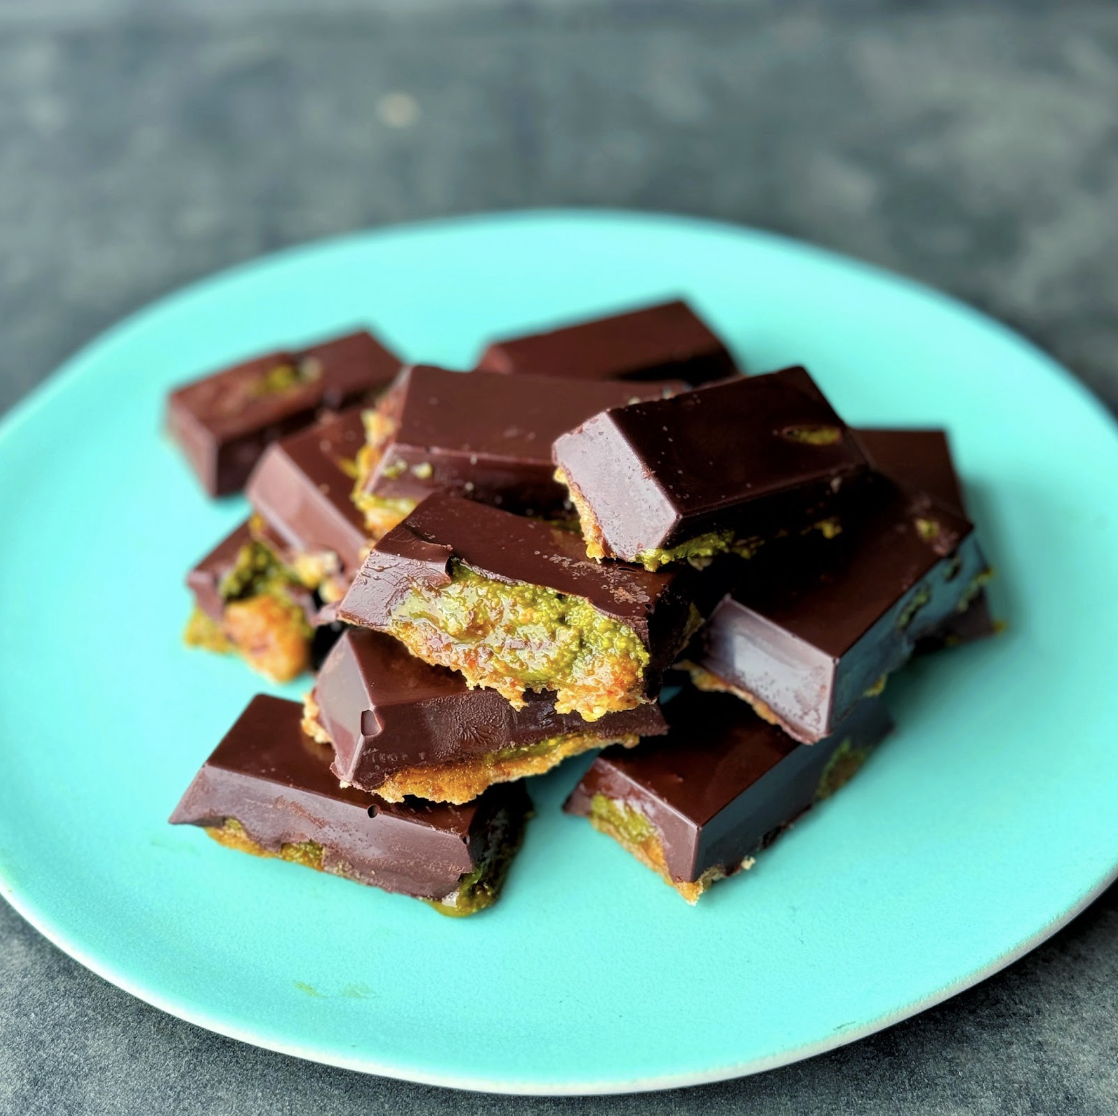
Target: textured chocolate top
665,341
224,421
749,455
385,710
277,783
302,489
489,436
511,548
722,781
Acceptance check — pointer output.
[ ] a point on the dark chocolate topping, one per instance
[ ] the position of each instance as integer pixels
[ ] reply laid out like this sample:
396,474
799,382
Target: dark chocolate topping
302,489
489,436
831,592
386,710
919,460
268,775
722,780
226,420
815,623
748,455
664,341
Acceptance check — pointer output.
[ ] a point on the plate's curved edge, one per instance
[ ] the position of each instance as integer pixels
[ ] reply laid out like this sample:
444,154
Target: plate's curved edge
72,365
527,1088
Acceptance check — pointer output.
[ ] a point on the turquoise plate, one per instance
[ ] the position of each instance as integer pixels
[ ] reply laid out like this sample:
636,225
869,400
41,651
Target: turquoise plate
981,827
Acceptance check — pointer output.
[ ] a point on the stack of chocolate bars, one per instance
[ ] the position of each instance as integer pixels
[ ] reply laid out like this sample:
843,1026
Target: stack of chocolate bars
495,570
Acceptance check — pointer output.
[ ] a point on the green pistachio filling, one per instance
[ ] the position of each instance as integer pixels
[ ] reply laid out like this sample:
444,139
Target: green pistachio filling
977,584
699,550
518,637
233,834
256,572
283,377
841,768
702,546
382,513
205,632
819,435
627,825
480,888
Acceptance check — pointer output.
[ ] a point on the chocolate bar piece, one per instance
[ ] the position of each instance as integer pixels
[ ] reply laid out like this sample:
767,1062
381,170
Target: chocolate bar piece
516,606
479,435
921,460
401,727
301,488
721,468
225,421
815,627
247,601
661,342
698,804
267,790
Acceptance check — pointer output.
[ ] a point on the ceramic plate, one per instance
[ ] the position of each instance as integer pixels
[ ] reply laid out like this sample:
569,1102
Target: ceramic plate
981,827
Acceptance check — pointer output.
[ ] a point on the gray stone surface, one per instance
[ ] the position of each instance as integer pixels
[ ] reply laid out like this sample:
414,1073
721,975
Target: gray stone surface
969,144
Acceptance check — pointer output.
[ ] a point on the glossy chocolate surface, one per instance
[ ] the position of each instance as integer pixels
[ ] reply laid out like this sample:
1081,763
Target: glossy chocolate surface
386,710
814,625
273,779
921,459
510,548
302,489
225,421
722,783
488,436
751,455
661,342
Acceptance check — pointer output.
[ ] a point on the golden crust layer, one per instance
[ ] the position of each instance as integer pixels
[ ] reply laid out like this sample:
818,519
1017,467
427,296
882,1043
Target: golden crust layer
650,852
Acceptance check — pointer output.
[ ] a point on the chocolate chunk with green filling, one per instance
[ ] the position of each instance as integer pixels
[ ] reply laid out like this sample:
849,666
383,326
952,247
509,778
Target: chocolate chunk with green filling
480,435
515,606
248,601
400,727
712,470
226,420
267,789
698,804
815,622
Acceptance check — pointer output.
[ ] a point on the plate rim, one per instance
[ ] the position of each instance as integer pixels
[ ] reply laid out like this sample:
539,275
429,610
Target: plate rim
74,366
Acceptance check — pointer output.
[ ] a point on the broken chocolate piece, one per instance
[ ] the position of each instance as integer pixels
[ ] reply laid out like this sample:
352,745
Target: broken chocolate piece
267,789
248,601
479,435
921,460
812,628
698,804
225,421
302,488
401,727
661,342
516,606
721,468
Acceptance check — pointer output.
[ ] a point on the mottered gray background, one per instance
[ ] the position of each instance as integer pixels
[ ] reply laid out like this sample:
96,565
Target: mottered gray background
970,144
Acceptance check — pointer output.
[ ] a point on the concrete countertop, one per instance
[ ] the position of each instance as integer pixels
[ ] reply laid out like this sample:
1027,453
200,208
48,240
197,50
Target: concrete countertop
971,145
